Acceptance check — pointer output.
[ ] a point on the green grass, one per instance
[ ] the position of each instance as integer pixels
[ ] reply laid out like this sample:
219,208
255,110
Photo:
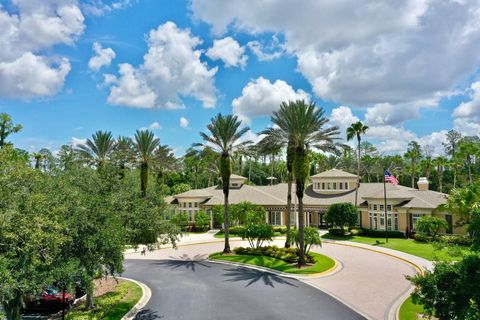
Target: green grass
410,310
112,305
425,250
322,263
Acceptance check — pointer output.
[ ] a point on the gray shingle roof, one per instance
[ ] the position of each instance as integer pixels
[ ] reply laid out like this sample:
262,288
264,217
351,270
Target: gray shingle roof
276,195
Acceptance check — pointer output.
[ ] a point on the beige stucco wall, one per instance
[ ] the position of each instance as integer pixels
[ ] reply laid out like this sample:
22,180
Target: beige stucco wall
352,184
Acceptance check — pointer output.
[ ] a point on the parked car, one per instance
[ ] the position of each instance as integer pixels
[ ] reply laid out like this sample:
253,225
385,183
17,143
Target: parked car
50,297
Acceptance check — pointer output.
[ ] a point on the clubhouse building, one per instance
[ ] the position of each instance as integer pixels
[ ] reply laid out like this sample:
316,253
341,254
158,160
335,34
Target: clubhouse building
404,205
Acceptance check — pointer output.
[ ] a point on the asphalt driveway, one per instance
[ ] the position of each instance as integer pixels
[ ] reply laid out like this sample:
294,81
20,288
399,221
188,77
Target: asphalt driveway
194,289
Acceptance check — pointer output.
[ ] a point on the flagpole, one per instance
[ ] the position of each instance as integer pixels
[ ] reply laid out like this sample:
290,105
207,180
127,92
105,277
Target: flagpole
385,203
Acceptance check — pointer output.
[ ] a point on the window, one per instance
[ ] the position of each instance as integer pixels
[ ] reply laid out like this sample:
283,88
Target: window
415,217
195,204
382,219
234,184
396,222
382,207
329,186
341,185
190,215
370,220
375,207
375,221
389,221
346,185
389,207
334,186
275,218
323,185
189,204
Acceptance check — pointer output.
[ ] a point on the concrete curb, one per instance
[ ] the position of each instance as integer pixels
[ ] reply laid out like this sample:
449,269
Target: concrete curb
336,268
147,294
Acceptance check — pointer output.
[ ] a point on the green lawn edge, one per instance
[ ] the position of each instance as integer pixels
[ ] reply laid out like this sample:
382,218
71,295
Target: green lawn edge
421,249
322,262
112,305
410,310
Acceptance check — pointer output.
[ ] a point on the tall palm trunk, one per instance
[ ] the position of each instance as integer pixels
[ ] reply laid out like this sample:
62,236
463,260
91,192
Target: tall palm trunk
273,163
358,177
289,194
301,174
143,178
440,178
226,170
469,168
413,174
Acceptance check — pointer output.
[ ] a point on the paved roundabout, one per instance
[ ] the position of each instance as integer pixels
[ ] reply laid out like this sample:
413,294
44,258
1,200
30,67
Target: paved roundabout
184,285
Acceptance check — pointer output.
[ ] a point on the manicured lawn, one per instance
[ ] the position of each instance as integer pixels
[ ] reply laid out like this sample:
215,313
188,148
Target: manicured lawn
112,305
421,249
322,263
410,310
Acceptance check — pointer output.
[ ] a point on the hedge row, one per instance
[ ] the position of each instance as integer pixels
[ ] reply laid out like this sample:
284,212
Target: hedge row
289,255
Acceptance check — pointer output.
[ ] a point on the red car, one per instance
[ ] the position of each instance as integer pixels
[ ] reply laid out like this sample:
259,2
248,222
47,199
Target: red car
52,296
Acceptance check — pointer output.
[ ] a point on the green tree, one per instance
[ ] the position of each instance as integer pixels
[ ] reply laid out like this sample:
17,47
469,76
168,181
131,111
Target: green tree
463,202
342,215
202,221
450,291
180,188
451,148
99,148
312,237
7,127
440,164
303,126
467,150
257,234
145,145
356,130
123,154
431,225
414,154
224,136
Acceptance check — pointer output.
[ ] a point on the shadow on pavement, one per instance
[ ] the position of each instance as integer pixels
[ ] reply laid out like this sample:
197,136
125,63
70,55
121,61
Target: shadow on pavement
148,314
251,276
185,261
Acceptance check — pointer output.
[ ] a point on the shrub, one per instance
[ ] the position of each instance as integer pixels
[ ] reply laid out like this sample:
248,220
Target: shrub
311,237
181,219
336,231
456,240
356,232
431,225
281,230
450,291
289,255
421,237
342,215
233,231
381,233
257,234
202,221
240,214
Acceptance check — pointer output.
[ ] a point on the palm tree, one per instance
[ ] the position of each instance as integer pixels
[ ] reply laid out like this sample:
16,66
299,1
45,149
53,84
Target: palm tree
145,145
224,135
164,161
451,146
38,157
298,127
99,148
123,154
468,148
440,163
414,154
357,129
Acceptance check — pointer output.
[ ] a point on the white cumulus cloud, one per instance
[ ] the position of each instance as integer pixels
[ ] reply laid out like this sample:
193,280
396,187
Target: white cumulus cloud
260,97
229,51
184,122
171,68
27,32
103,57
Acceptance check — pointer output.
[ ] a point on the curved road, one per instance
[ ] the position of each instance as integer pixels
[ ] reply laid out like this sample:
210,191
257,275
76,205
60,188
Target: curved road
195,289
368,282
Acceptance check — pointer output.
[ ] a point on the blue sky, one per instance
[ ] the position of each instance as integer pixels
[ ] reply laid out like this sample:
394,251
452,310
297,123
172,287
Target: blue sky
409,77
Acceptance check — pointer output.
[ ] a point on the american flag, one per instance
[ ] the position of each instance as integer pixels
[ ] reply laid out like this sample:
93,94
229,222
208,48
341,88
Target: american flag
390,178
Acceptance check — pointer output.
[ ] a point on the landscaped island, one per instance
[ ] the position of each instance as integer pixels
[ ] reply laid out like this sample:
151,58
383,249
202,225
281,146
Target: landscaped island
319,263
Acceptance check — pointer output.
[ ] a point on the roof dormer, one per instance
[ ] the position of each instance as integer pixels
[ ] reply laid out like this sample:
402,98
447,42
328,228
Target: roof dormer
237,181
334,181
